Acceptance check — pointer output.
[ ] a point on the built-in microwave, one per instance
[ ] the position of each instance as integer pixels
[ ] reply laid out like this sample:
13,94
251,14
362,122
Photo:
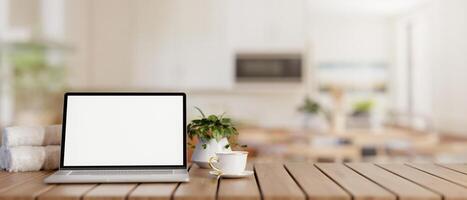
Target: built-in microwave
268,68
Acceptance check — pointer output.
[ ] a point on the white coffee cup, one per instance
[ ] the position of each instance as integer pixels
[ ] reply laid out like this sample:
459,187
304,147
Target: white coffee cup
233,162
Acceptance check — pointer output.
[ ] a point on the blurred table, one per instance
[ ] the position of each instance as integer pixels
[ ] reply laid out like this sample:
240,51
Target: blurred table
349,145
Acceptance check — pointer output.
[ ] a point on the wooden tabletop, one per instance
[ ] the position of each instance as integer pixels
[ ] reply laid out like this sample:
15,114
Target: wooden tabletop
327,181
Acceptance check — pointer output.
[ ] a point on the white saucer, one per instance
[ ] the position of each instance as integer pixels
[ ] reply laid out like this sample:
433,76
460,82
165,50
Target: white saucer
241,175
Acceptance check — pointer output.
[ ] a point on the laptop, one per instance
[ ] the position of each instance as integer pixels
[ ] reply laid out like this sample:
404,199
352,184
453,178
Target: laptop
122,137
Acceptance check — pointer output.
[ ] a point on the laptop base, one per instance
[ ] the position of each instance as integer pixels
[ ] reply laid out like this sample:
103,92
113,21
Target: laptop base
117,176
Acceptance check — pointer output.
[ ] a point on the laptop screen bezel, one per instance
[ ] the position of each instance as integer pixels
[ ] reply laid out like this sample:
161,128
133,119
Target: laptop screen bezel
115,167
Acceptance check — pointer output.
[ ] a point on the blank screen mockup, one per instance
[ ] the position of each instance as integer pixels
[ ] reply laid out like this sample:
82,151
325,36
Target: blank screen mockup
124,130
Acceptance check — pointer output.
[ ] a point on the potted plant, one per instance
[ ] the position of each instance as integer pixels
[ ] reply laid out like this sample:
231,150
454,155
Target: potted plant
313,115
213,133
361,114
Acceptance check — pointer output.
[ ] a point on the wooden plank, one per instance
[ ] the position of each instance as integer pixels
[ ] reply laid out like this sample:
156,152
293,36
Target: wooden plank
275,182
316,185
447,189
242,189
457,167
153,191
110,192
28,190
15,179
201,185
358,186
67,192
450,175
404,189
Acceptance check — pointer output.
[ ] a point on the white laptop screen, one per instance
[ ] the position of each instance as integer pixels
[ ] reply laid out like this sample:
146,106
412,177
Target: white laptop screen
124,130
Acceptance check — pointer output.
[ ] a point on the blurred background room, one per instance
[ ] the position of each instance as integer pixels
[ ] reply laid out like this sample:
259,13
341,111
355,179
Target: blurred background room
317,80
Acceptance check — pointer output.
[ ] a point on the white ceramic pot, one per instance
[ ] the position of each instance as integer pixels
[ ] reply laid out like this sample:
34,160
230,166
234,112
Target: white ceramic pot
315,123
201,155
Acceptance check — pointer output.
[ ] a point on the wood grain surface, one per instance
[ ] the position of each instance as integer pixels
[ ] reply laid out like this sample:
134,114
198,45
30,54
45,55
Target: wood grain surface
456,167
284,181
315,183
403,188
275,182
358,186
441,186
241,189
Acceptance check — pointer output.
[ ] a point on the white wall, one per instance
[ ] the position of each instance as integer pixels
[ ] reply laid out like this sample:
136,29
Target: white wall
99,32
267,25
189,46
414,37
350,38
180,44
450,92
184,45
197,42
112,42
440,64
175,43
78,36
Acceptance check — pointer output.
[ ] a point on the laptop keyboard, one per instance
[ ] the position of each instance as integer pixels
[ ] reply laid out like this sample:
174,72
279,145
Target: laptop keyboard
122,172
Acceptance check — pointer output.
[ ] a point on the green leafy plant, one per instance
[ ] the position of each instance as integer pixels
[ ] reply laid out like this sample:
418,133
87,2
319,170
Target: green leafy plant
362,107
310,106
211,127
38,76
33,72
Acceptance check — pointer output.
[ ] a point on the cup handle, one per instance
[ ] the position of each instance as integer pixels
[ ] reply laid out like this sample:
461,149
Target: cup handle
213,160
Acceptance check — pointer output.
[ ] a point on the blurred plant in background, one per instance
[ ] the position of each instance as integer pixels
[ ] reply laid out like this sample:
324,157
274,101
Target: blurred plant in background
314,116
363,108
362,116
309,106
38,81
